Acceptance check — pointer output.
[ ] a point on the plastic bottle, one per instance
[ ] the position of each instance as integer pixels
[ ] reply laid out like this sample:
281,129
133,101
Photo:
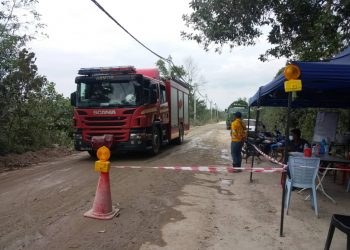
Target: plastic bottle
318,150
326,149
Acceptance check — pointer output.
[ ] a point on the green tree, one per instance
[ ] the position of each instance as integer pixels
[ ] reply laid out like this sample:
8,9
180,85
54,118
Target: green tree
176,71
32,114
305,30
19,23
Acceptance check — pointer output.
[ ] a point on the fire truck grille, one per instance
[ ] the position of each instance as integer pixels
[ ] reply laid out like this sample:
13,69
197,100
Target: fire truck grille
100,125
104,124
105,121
105,118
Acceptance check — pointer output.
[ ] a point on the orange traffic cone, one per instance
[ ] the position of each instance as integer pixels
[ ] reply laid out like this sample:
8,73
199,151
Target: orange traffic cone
102,208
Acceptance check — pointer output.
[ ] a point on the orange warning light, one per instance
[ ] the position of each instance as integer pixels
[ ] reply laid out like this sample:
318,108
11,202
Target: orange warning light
292,72
103,153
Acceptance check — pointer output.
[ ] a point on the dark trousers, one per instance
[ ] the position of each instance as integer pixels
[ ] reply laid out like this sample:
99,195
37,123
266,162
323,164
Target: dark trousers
236,152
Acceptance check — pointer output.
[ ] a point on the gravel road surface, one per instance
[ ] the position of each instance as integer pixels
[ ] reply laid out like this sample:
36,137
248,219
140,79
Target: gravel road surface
42,207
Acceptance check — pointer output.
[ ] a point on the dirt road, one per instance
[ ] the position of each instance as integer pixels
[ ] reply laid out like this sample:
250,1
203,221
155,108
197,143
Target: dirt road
42,207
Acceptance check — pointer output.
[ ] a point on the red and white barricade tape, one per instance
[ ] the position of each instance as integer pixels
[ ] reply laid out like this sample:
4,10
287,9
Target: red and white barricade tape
268,157
285,166
208,169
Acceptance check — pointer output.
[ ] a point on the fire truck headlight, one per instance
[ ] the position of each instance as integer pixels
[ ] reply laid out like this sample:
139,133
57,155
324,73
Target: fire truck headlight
132,138
136,138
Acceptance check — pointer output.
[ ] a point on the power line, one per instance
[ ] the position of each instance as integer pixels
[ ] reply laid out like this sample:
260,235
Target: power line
142,44
137,40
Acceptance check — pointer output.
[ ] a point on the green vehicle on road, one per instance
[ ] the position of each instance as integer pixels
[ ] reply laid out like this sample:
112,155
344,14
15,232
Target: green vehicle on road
232,110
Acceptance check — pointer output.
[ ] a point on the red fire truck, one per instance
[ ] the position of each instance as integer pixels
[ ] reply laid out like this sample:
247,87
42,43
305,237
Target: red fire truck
135,109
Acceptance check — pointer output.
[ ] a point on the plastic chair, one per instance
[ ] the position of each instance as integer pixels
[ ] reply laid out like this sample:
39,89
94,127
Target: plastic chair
303,173
342,222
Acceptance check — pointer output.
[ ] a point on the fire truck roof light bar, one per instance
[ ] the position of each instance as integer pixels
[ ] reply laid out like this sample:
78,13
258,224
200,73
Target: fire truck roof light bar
107,70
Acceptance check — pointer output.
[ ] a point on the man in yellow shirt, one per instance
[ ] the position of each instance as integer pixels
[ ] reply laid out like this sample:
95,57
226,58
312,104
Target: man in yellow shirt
238,135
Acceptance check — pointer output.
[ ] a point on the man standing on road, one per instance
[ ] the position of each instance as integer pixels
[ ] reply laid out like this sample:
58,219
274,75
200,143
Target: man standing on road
238,135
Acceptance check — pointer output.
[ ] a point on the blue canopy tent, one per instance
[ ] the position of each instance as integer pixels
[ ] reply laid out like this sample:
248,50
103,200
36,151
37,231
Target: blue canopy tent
324,85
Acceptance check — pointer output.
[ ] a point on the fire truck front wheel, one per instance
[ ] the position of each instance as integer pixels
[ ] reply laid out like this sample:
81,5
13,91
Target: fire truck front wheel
155,141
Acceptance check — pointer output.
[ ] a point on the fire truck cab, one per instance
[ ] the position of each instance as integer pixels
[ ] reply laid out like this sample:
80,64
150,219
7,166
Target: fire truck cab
134,109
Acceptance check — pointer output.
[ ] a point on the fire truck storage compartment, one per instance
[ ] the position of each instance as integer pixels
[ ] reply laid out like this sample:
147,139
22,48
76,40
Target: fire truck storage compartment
174,113
179,111
186,115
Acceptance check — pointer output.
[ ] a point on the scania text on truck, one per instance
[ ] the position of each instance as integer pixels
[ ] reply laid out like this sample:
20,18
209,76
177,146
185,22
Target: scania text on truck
135,109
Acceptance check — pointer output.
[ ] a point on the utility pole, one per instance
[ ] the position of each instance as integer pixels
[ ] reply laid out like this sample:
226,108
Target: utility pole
211,110
194,101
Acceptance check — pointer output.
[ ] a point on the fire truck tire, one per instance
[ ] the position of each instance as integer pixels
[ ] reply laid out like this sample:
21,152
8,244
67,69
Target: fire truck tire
155,141
180,139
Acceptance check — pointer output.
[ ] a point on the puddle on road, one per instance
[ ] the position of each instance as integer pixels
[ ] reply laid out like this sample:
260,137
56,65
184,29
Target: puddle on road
225,154
197,143
226,182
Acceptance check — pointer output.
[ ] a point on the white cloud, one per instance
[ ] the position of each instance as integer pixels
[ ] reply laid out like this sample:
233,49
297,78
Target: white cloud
80,35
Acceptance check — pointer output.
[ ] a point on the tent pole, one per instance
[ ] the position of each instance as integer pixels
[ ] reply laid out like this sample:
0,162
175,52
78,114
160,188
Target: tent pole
248,124
255,137
348,119
251,180
248,120
284,175
256,132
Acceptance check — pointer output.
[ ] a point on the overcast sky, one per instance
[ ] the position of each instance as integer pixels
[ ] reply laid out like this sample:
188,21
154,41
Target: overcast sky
80,35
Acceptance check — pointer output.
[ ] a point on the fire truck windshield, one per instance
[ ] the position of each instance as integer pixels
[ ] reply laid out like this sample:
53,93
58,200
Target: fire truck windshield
109,94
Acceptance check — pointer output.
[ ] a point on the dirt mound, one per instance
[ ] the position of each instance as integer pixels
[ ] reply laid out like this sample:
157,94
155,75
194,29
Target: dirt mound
16,161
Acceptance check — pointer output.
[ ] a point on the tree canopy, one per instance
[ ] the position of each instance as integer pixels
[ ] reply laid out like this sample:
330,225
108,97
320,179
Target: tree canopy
32,114
304,30
178,71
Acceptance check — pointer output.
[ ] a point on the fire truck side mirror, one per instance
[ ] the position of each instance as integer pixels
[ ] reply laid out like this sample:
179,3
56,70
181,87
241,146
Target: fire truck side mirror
73,99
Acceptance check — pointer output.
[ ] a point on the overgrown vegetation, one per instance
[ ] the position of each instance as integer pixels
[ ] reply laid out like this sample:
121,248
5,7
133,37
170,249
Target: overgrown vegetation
300,118
32,114
304,30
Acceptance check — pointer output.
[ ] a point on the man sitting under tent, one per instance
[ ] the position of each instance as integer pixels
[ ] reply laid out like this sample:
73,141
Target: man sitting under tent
296,143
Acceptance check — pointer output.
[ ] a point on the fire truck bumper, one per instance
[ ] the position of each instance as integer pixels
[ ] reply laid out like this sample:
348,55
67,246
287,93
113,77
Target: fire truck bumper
81,145
138,141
